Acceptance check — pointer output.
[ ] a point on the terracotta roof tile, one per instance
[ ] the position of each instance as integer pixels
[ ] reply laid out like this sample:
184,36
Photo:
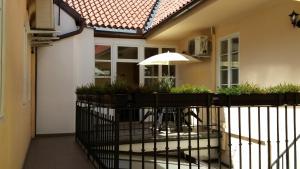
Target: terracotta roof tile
125,14
166,8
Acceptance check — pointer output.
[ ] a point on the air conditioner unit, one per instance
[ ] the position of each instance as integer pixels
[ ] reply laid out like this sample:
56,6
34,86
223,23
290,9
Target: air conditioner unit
44,14
200,47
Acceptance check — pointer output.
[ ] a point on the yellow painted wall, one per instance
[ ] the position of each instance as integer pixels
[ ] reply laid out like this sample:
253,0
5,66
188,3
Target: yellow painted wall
269,45
15,127
201,73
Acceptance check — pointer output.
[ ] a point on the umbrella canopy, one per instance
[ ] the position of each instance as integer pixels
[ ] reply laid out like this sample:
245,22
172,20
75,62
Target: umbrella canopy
169,58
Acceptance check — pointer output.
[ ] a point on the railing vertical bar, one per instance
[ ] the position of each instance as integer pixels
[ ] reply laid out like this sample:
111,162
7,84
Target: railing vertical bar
189,136
249,141
97,134
130,137
167,138
208,136
101,136
219,138
117,123
198,138
295,133
155,141
107,138
259,138
143,140
278,137
110,141
268,132
178,119
104,140
229,135
240,137
286,138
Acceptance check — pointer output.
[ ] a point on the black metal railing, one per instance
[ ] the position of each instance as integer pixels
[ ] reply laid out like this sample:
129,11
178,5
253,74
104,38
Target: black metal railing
280,161
188,130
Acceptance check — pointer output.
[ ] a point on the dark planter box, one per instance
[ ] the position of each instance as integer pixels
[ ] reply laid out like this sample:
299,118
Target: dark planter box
250,100
144,100
171,100
292,98
183,100
116,100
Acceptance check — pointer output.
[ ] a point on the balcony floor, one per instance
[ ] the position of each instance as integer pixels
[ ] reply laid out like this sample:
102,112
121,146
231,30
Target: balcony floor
60,152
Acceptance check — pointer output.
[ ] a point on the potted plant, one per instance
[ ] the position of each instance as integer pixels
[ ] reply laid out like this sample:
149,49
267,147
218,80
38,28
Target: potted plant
291,92
188,95
247,94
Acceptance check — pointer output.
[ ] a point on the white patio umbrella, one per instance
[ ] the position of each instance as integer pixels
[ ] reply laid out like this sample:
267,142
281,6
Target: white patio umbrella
168,58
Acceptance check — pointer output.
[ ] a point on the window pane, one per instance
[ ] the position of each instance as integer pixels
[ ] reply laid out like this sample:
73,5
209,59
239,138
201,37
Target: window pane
235,57
128,72
235,44
224,58
150,52
164,50
172,70
127,52
234,76
102,81
150,81
102,52
224,85
151,70
165,71
224,47
224,76
102,69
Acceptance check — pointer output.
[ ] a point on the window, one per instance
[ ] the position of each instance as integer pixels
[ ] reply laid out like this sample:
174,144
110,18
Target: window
169,71
151,71
154,73
102,64
127,52
1,59
229,62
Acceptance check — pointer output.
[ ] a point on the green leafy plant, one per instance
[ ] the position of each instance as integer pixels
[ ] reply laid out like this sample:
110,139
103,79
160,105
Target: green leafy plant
284,88
187,88
165,85
245,88
118,86
90,89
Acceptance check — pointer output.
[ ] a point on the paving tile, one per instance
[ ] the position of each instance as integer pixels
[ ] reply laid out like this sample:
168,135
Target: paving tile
61,152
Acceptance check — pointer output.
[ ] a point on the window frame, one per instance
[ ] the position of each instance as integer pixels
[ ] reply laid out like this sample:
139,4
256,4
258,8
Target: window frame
229,39
103,61
160,70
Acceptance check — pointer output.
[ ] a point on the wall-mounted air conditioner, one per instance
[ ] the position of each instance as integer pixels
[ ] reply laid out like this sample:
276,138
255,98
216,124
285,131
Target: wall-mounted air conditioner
44,14
200,46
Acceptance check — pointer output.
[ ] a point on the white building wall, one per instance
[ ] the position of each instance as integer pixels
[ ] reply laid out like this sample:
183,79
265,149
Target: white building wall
61,68
67,23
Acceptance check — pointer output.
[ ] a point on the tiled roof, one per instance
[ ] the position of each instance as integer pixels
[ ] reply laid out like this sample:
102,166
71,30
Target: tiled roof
126,14
166,8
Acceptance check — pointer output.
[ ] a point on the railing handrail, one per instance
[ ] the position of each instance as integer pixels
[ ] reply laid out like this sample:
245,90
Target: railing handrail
285,151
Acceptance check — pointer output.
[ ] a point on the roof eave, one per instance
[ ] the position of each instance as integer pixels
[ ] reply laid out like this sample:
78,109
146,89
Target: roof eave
187,9
110,34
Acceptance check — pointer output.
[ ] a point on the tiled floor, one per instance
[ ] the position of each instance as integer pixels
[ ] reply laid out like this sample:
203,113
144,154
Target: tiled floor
59,152
62,152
